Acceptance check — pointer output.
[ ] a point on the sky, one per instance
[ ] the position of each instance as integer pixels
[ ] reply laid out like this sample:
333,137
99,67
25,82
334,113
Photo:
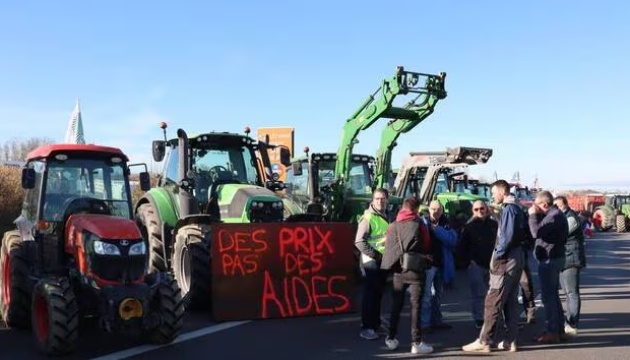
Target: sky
542,83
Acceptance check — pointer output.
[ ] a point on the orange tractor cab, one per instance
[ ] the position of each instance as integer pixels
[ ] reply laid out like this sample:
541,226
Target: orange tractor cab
78,253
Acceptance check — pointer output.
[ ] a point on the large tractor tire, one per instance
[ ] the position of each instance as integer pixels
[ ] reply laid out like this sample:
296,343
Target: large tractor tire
169,306
150,228
191,265
15,286
621,223
55,316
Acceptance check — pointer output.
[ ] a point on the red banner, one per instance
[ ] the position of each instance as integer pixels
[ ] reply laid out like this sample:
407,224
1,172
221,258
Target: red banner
280,270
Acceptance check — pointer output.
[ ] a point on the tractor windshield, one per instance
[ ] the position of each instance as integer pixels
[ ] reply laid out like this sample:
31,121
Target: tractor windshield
85,178
360,181
234,163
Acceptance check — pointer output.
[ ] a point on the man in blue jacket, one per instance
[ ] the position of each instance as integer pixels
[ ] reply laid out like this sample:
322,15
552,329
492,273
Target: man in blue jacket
443,242
506,266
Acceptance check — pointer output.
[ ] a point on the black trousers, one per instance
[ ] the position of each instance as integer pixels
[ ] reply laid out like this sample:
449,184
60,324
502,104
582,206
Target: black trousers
414,282
373,287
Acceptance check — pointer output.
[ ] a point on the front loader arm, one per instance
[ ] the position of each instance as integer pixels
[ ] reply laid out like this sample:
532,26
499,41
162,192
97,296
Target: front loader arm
376,107
422,107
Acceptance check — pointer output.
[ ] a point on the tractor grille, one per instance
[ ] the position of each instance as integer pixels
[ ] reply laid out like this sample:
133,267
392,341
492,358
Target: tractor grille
267,212
118,268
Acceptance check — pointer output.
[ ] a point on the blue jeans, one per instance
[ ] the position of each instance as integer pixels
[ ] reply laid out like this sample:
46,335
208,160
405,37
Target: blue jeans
549,274
570,282
478,278
431,314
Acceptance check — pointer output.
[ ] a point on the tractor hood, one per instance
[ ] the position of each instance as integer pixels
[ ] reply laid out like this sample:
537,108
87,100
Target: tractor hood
104,226
236,202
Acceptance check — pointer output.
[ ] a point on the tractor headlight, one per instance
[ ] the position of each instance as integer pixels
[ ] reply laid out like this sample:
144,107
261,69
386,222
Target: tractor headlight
277,205
138,249
103,248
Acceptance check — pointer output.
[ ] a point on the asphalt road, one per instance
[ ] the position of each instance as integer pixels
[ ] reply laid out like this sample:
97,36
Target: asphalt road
604,332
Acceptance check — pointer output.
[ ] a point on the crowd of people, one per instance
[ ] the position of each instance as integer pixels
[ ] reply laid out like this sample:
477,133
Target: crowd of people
419,251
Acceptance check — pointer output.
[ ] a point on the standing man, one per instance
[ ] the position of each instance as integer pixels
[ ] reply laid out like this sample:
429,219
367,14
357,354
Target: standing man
370,240
550,228
407,235
443,243
575,260
506,266
477,244
526,283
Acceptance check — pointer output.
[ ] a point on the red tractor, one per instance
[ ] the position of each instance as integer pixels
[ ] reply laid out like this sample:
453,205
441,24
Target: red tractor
78,253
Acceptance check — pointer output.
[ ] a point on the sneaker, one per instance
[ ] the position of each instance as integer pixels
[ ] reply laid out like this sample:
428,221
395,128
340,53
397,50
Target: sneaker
570,330
505,346
477,346
422,348
368,334
392,344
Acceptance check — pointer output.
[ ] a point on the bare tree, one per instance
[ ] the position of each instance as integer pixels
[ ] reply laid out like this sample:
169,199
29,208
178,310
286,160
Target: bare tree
17,149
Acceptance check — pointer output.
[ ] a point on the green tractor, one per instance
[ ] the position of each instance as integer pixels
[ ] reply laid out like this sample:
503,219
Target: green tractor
208,178
310,180
439,176
619,205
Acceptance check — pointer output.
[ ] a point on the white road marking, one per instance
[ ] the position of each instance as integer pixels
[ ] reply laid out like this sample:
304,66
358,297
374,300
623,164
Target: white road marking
123,354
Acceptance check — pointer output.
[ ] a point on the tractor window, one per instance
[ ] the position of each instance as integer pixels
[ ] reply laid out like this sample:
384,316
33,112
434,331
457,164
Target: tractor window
299,183
442,184
326,173
31,196
229,163
360,181
85,178
171,167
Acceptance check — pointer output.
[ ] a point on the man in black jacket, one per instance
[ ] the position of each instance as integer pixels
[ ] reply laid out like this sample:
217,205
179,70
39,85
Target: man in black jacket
407,234
575,260
476,246
550,228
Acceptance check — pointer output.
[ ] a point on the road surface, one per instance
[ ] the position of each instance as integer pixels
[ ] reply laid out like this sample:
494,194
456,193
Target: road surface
604,332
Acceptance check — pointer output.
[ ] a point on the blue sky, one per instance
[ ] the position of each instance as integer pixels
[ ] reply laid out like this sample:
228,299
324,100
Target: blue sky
543,83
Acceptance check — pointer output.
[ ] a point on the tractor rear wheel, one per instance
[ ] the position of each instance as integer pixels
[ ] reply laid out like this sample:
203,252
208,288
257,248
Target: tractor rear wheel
170,310
55,315
621,223
15,284
191,265
150,227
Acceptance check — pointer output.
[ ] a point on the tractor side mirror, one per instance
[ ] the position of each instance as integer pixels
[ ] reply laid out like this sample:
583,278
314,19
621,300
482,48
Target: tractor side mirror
145,181
159,149
28,178
297,168
285,156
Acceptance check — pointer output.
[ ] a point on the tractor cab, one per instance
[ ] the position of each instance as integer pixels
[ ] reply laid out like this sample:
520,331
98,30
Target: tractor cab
64,180
223,175
310,180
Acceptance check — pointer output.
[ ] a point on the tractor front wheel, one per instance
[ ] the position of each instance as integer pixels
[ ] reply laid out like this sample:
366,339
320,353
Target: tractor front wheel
621,223
170,309
15,284
55,316
191,265
149,222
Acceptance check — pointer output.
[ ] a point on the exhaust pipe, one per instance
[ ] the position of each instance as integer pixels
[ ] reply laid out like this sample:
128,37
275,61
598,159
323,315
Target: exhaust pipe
185,200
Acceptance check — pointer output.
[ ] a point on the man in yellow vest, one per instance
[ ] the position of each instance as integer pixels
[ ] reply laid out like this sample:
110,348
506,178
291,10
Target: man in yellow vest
370,240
